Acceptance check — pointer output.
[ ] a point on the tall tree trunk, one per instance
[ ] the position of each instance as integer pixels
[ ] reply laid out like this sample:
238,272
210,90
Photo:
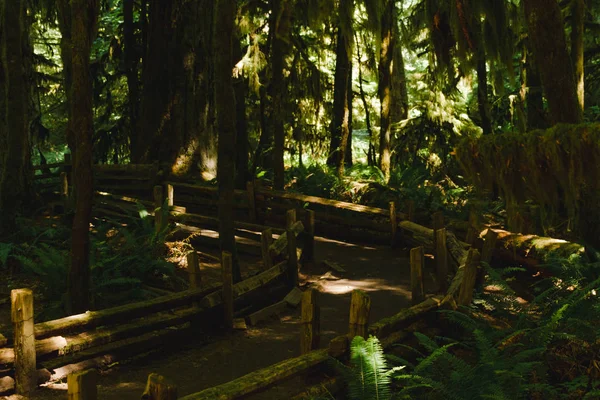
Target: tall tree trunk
348,148
340,125
536,118
175,112
280,22
547,35
131,63
241,146
363,98
15,182
84,15
388,43
577,55
64,24
224,17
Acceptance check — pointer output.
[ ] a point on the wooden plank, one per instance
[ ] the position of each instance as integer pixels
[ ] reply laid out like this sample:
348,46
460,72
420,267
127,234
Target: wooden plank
266,313
193,268
92,319
308,256
311,322
441,259
170,190
49,165
360,309
325,202
386,326
290,218
24,341
294,297
142,168
281,244
261,378
82,385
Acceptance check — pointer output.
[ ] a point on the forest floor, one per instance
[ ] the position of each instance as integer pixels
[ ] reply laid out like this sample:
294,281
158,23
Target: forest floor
382,272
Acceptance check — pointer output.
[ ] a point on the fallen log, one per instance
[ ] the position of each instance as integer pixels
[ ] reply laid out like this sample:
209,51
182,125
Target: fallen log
534,251
262,378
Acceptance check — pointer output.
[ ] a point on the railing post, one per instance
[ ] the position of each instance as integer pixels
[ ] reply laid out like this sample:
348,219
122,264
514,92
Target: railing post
311,321
266,239
193,268
251,201
441,258
438,223
68,165
360,308
82,385
227,265
170,194
393,222
292,257
308,254
290,218
157,388
416,275
465,296
24,341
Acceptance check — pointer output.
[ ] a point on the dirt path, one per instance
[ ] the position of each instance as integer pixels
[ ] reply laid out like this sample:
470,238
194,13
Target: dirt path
380,271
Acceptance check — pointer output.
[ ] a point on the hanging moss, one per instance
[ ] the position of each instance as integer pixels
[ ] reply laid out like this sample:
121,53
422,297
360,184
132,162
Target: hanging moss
558,169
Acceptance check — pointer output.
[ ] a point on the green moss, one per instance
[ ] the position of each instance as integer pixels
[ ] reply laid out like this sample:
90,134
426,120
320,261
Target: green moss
557,168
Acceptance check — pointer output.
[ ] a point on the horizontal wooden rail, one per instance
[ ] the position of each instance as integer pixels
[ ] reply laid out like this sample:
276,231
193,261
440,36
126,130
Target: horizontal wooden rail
49,165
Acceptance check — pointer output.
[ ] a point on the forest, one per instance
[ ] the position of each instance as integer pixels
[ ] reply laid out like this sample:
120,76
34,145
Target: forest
181,179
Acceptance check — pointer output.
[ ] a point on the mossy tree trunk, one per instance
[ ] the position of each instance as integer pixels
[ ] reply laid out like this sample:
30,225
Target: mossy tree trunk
385,89
482,95
547,36
15,182
280,23
84,16
536,117
224,17
175,113
348,148
64,25
577,55
340,124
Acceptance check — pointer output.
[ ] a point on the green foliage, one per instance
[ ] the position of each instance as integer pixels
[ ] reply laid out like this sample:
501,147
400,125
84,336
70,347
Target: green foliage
368,377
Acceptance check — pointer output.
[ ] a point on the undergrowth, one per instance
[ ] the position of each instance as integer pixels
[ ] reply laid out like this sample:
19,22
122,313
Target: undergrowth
125,258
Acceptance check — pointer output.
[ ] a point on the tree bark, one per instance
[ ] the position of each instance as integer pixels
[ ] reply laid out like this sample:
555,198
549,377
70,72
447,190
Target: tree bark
131,64
64,25
176,112
577,55
348,148
84,15
15,182
536,118
386,57
547,35
280,21
224,17
242,148
340,125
